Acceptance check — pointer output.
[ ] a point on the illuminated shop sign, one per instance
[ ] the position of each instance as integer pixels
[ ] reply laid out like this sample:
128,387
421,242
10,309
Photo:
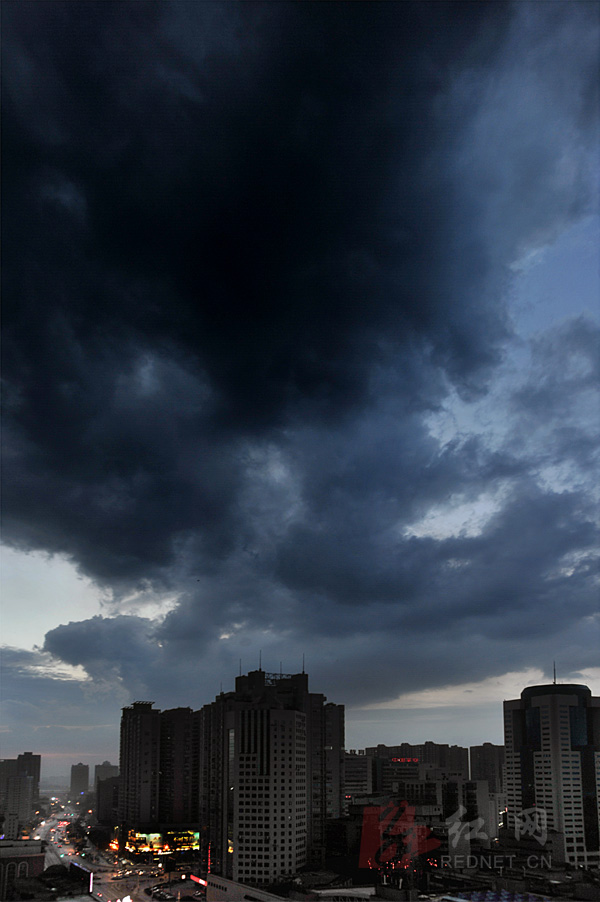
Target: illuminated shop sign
162,843
406,760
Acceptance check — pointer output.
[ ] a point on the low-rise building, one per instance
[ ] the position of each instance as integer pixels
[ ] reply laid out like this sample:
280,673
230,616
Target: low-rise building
19,859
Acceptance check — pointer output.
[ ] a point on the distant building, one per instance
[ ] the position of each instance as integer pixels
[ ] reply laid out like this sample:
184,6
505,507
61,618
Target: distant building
443,802
552,742
334,760
80,781
387,771
104,771
358,777
487,763
431,756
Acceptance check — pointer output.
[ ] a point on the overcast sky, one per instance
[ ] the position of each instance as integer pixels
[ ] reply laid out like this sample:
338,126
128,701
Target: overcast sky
300,356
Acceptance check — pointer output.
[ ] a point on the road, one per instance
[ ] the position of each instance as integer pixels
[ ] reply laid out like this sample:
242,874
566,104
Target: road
109,884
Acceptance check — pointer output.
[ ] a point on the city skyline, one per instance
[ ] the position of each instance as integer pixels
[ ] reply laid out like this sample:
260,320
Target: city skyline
300,330
51,770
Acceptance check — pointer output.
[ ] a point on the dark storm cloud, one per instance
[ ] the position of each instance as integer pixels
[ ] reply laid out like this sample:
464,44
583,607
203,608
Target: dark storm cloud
274,223
250,249
565,366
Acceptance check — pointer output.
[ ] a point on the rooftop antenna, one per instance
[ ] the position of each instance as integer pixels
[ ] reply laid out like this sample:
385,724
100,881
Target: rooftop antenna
260,659
302,662
555,673
240,666
280,670
221,688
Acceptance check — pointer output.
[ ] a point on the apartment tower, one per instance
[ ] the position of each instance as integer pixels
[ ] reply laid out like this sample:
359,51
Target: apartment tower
552,742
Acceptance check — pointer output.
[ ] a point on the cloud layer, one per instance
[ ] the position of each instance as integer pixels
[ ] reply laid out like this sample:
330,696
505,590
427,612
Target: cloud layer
253,253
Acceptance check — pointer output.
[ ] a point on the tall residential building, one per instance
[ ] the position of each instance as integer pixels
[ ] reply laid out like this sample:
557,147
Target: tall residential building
104,771
25,765
487,763
179,784
8,768
139,766
159,769
552,742
268,752
80,781
29,765
19,805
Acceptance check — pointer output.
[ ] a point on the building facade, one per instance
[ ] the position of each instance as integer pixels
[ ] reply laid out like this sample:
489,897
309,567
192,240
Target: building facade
139,766
335,730
272,766
19,792
448,806
358,778
104,771
107,801
487,763
552,742
19,806
30,765
20,859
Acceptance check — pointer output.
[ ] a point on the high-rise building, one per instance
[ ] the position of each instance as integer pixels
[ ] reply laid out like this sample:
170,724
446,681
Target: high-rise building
29,765
256,773
8,768
268,751
552,742
104,771
80,781
179,784
26,765
159,768
19,805
139,766
487,763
